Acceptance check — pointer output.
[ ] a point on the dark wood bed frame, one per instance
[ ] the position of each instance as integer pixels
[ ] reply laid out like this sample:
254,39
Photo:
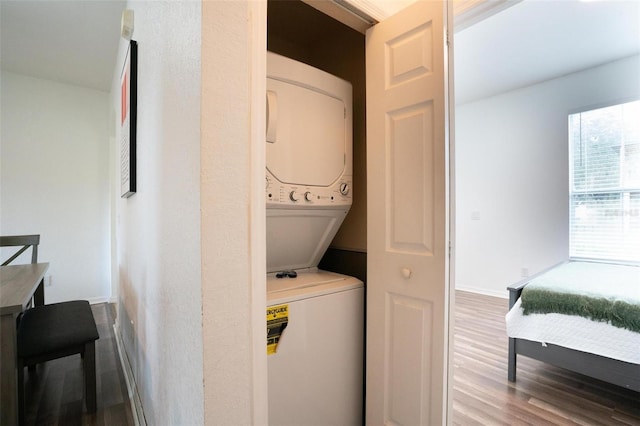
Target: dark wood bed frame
609,370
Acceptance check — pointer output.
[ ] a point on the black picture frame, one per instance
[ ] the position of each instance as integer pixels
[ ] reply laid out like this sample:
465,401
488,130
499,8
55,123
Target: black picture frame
128,115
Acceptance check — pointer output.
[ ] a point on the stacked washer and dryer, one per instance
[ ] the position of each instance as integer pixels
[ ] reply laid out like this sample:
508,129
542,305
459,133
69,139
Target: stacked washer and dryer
316,369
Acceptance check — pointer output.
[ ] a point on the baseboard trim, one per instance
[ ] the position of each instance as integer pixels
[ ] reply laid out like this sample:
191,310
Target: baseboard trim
132,390
485,292
96,300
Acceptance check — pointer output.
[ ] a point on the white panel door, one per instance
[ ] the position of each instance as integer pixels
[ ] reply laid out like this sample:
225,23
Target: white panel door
407,218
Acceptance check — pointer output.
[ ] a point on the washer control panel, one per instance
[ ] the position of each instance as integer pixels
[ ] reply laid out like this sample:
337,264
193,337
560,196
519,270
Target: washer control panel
278,193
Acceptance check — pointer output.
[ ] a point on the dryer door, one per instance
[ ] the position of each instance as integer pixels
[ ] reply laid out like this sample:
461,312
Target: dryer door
306,135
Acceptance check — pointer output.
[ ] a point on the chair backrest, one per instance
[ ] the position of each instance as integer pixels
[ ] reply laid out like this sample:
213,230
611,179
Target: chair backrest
25,241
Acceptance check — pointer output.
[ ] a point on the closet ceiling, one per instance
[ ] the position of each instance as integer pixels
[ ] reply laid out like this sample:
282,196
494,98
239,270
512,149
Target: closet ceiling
76,42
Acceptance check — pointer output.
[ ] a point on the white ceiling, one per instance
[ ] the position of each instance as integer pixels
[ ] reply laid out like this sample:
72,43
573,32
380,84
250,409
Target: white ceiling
72,42
76,41
535,40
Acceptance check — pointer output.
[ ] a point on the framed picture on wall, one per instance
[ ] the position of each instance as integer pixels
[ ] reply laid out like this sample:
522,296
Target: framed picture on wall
128,106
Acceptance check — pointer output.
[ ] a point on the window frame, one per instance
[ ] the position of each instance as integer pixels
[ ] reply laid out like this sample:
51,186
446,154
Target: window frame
619,190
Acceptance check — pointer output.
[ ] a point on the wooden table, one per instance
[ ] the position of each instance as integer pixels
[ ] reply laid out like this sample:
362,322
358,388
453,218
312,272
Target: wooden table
18,284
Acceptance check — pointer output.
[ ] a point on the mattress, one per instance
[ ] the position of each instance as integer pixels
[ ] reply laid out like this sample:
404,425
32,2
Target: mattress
574,332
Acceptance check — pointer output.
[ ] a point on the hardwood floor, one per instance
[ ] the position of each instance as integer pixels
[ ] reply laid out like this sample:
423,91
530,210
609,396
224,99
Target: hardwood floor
541,395
54,391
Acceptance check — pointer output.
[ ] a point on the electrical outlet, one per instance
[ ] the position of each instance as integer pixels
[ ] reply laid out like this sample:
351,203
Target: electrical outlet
48,281
524,272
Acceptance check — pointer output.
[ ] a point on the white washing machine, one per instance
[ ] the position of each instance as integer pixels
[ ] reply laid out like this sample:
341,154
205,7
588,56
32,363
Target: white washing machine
315,376
315,318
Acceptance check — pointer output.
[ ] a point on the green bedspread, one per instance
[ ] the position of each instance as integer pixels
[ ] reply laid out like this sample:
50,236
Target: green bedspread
598,291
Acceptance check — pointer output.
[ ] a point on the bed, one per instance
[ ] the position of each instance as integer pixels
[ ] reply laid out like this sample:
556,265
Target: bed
581,316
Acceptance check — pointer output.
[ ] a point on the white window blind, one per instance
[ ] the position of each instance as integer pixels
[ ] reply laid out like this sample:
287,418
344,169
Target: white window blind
604,160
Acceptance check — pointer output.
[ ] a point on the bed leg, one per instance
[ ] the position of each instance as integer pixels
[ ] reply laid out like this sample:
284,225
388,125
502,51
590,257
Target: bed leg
511,372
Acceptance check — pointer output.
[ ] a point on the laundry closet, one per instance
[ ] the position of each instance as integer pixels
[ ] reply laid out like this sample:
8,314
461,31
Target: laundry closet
315,190
397,229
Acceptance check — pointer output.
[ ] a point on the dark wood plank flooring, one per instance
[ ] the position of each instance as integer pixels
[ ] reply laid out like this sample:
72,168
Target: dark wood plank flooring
541,395
54,390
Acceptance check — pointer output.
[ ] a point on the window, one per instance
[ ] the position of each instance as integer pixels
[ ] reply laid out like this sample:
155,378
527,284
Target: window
604,161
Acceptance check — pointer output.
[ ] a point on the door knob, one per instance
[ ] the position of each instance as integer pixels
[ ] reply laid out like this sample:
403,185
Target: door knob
406,272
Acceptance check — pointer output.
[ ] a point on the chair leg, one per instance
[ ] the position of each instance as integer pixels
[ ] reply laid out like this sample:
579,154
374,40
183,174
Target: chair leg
21,402
89,364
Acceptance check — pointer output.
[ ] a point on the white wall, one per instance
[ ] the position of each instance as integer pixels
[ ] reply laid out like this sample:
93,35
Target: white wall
233,212
54,181
158,228
512,171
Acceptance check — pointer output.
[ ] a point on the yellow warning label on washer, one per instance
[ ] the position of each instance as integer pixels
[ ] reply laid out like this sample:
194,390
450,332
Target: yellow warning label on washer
277,320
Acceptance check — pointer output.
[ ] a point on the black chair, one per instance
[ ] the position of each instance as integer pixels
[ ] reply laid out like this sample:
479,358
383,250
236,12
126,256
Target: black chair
25,241
55,331
47,332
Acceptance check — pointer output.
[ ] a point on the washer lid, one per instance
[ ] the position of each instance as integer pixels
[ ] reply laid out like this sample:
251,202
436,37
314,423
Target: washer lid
307,134
308,284
303,280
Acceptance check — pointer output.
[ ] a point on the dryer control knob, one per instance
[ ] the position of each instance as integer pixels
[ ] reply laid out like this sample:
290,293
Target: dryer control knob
344,188
308,196
293,196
